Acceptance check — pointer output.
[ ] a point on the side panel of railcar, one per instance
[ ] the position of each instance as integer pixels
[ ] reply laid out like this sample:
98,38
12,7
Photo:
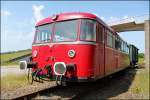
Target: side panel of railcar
116,57
111,55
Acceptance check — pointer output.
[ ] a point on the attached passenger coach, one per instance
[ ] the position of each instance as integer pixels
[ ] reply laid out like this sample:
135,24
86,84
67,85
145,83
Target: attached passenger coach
76,47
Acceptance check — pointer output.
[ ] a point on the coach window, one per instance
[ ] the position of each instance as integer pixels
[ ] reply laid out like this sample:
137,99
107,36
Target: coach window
114,39
116,42
109,39
122,45
88,30
100,33
128,49
119,47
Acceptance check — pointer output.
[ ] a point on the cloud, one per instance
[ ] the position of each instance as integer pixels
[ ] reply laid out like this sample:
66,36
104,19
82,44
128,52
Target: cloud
17,33
112,19
125,17
16,39
5,13
109,19
37,11
103,18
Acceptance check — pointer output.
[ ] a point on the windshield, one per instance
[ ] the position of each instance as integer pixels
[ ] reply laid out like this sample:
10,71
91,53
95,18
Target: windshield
63,31
88,30
66,31
43,33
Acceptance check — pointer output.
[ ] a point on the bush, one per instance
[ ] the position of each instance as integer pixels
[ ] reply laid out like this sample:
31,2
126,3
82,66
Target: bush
141,55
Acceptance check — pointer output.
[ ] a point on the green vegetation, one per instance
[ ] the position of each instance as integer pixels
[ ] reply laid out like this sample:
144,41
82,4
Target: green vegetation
13,81
141,59
11,55
141,55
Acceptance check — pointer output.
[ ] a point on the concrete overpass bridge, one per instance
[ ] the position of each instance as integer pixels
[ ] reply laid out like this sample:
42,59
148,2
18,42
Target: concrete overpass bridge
137,23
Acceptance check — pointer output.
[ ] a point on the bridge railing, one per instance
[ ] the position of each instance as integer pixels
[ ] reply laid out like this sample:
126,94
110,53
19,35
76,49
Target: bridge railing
136,19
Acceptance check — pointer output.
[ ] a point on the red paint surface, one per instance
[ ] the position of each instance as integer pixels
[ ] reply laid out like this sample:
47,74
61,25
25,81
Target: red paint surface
84,58
91,60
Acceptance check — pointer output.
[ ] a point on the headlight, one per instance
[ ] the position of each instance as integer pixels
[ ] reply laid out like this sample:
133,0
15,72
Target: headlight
59,68
22,65
34,53
71,53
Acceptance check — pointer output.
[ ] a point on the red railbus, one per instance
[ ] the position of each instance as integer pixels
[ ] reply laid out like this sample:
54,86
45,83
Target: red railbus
76,47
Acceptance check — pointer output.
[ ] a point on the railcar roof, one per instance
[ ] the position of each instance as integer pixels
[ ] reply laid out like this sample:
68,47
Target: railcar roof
73,15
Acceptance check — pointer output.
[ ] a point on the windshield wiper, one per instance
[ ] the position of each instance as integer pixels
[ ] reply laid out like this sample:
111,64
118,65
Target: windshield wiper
45,40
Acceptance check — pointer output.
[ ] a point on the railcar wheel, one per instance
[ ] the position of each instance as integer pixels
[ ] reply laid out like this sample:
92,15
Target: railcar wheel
30,76
60,80
36,75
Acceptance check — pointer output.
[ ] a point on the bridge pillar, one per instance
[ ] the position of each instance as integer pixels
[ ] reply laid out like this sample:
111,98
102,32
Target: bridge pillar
147,43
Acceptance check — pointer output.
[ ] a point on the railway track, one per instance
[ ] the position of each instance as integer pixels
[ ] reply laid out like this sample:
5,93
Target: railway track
74,91
33,95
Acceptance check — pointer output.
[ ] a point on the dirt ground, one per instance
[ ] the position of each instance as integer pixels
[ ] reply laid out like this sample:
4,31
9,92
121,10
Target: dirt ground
116,86
119,87
11,70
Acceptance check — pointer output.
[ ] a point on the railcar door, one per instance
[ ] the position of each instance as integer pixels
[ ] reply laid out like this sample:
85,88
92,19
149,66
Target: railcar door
116,52
99,71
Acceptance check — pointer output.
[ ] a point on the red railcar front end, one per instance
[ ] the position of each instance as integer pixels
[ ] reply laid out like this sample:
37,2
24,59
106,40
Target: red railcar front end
76,47
81,65
67,47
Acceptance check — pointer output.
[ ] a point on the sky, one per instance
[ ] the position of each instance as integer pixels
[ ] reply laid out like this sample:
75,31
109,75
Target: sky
18,18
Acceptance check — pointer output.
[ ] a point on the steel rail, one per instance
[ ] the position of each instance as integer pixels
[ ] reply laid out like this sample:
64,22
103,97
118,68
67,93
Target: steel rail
34,94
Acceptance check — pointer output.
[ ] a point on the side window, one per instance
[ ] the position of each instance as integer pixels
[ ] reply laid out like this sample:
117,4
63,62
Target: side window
122,45
127,48
109,39
119,43
114,38
116,43
100,32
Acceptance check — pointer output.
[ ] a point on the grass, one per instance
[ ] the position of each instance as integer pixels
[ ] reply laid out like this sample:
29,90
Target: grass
140,84
8,56
141,61
12,64
12,82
